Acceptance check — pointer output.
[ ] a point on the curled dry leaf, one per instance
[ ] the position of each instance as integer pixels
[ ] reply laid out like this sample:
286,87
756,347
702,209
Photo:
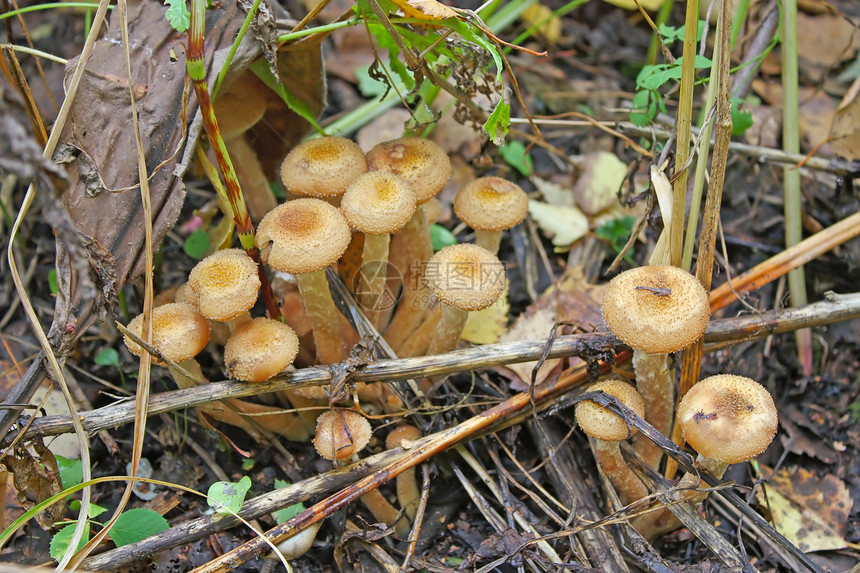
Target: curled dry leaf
433,9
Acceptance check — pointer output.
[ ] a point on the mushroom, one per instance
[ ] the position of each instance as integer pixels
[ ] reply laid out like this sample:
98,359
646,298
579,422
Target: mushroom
464,277
225,285
427,168
239,108
377,203
303,237
727,419
491,205
322,167
179,332
608,430
408,492
260,349
656,310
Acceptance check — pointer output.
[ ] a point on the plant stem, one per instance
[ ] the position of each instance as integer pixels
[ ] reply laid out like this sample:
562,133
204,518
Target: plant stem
791,175
196,66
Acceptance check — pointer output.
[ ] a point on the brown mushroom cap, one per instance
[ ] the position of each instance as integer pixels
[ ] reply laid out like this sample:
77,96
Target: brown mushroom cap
341,433
260,349
466,276
322,167
302,236
599,422
656,309
421,162
226,284
240,106
179,332
378,203
401,434
491,204
728,418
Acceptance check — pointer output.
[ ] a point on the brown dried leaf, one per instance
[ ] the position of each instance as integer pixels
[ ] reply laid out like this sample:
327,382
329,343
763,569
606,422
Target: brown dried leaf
845,130
433,9
37,478
812,512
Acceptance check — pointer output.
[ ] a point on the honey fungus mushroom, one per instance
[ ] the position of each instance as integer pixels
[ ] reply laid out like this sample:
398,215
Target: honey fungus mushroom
322,167
341,434
260,349
656,310
491,205
226,285
727,419
303,237
608,429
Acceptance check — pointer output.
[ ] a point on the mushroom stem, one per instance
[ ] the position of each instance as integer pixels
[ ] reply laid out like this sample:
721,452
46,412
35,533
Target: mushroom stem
373,277
414,239
385,512
323,315
419,340
608,455
656,385
448,331
249,171
490,240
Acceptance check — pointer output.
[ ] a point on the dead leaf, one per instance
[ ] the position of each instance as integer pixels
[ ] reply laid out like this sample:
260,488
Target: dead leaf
433,9
548,24
487,326
571,299
823,41
812,512
650,5
554,193
564,225
37,478
598,185
845,130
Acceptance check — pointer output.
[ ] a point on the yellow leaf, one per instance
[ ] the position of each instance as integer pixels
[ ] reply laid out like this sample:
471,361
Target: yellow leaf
563,224
547,24
487,326
432,9
649,5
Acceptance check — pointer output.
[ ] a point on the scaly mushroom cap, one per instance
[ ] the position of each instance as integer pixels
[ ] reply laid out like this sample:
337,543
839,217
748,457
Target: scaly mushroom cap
466,276
599,422
402,436
322,167
260,349
728,418
491,204
341,433
179,332
378,203
424,165
226,284
302,236
656,309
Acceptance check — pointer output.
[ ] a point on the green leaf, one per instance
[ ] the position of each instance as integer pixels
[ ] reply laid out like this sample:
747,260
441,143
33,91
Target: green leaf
95,509
137,524
107,357
197,244
514,153
498,122
61,540
71,471
248,464
177,15
261,70
644,108
441,237
288,513
741,120
52,281
227,497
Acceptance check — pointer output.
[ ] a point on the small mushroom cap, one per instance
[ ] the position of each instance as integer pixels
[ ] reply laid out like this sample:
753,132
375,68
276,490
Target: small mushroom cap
491,204
226,284
378,203
466,276
260,349
240,106
421,162
341,433
401,434
728,418
599,422
656,309
302,236
179,332
322,167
